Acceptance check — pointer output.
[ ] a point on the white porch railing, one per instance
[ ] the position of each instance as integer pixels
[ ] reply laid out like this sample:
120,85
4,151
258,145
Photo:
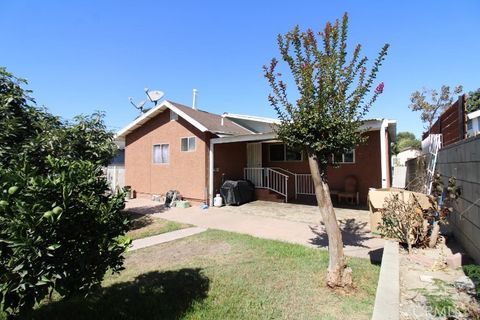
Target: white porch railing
268,178
304,184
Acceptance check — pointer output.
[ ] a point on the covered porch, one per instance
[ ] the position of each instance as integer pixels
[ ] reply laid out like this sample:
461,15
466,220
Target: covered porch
283,175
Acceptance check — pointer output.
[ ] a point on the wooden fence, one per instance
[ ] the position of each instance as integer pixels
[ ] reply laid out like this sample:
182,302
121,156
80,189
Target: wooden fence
115,176
452,123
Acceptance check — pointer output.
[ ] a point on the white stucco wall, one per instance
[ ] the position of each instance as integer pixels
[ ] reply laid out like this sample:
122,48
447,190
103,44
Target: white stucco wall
401,158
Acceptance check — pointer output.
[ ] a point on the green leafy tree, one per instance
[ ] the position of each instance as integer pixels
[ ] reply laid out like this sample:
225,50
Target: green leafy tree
431,103
60,229
406,140
327,117
473,103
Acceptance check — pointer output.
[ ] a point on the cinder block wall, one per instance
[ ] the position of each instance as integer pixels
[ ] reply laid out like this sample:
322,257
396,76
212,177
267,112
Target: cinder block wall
462,160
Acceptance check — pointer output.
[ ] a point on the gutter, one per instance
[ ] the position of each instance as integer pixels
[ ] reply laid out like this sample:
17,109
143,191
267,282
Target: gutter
210,172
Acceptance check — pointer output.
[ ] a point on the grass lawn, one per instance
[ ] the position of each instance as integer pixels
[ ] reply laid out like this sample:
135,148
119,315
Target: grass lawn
222,275
146,225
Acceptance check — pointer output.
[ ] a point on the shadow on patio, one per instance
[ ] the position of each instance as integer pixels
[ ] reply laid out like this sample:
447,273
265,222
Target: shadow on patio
354,233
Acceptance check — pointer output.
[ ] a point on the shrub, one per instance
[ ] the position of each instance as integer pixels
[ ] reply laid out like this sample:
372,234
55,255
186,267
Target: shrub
60,229
403,220
406,221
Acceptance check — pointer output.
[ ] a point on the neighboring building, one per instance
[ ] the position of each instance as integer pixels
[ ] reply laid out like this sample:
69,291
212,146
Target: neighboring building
473,124
173,146
115,171
401,158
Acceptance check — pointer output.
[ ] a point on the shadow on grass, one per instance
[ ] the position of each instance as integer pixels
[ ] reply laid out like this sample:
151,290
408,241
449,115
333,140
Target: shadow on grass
148,209
153,295
140,216
353,234
138,220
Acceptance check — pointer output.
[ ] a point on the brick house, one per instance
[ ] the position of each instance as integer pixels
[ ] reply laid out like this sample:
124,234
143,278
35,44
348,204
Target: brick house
173,146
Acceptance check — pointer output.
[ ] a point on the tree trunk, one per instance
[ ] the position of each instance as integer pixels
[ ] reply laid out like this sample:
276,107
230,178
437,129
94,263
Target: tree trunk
339,275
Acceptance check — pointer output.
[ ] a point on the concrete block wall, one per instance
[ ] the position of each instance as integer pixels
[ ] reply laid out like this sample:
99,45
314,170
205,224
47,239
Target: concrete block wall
462,160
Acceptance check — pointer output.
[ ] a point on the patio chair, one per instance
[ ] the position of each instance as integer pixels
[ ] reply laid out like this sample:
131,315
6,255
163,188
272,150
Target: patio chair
350,192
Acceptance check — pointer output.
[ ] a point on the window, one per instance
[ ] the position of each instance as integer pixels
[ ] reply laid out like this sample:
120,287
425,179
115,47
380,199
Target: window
160,153
347,157
173,116
119,157
188,144
470,124
279,152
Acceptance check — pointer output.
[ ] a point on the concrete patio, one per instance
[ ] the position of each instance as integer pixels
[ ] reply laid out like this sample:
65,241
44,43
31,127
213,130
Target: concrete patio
278,221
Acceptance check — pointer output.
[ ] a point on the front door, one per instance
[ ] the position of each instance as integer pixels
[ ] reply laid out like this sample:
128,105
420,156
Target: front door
254,171
254,155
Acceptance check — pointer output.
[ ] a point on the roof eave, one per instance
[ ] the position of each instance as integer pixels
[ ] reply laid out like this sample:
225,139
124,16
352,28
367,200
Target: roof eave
137,123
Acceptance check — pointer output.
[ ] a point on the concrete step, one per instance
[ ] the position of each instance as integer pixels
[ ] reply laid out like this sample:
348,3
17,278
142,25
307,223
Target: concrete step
268,195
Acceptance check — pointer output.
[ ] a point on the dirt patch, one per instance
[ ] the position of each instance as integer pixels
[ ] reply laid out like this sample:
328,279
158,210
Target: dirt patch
429,289
177,252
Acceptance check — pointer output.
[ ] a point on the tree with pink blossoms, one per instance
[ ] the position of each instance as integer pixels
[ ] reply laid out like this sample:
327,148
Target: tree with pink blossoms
332,97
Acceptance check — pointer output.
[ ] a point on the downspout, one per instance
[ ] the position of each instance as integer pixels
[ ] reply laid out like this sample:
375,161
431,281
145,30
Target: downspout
383,152
210,173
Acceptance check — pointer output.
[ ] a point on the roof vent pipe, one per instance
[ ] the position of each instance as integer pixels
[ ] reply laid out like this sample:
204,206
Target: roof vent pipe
194,103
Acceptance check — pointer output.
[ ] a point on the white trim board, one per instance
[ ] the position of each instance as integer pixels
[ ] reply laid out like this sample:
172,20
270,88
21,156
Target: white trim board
137,123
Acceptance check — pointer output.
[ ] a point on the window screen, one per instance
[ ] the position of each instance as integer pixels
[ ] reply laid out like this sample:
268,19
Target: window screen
188,144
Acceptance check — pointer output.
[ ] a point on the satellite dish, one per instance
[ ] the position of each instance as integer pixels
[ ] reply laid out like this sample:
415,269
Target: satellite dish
139,105
154,96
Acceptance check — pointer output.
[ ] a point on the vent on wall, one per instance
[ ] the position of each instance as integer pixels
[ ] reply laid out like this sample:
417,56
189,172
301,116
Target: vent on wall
173,116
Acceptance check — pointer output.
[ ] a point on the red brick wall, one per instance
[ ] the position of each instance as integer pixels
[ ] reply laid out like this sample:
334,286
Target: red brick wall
230,159
367,167
185,172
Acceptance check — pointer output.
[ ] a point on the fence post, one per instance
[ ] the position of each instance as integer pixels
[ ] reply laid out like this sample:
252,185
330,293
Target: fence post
268,178
296,196
286,189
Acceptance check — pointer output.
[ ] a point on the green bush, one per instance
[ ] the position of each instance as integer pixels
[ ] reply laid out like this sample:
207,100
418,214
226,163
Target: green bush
60,228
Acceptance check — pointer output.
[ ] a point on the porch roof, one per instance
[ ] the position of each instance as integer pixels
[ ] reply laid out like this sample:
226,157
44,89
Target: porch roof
369,125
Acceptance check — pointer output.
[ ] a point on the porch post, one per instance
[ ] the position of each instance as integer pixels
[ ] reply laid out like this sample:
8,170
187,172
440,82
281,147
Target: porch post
296,196
383,151
210,173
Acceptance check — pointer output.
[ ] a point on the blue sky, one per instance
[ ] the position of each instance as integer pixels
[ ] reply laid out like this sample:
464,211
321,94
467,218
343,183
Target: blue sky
82,56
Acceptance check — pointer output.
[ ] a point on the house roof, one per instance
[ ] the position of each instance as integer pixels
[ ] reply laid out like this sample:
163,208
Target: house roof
473,115
202,120
228,125
250,118
213,122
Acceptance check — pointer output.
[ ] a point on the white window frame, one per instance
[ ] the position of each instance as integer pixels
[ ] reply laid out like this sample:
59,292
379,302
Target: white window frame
343,159
153,153
284,154
173,116
188,144
469,124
